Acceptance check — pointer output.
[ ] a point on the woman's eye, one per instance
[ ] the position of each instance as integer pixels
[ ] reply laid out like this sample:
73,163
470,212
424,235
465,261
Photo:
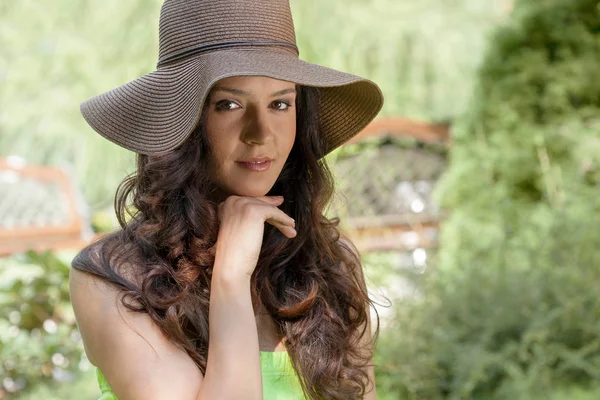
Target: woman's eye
281,105
226,105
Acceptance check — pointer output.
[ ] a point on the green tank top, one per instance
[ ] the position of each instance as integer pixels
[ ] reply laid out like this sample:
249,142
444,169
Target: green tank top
279,378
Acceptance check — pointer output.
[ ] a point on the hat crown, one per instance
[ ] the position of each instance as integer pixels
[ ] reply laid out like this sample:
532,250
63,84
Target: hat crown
186,25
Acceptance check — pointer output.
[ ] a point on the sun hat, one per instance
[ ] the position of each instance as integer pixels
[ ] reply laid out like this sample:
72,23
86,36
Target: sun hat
204,41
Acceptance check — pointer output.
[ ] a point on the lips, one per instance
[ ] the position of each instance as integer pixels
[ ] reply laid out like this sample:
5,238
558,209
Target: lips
256,160
256,163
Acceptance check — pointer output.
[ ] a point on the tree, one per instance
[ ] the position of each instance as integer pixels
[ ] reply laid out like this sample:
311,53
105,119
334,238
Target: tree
512,311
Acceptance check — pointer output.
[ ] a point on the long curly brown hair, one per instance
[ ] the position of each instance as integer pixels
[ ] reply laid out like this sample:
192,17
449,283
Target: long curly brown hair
310,285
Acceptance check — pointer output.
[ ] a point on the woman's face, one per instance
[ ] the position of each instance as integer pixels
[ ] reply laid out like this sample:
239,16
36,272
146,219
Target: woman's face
251,127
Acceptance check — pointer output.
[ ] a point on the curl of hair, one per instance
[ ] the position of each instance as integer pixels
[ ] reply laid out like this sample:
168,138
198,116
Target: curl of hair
161,259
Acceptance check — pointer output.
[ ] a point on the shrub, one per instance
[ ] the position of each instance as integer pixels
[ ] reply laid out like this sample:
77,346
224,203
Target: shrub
512,311
39,340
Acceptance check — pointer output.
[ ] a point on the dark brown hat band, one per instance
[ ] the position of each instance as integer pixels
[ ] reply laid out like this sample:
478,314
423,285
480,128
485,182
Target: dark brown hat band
224,45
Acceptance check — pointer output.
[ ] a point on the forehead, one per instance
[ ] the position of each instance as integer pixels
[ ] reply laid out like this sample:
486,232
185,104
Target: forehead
253,84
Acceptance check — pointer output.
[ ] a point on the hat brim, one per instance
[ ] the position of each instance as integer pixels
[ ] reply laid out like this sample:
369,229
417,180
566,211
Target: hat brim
157,112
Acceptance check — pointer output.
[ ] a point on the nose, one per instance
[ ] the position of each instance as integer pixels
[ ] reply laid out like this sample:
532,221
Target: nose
258,129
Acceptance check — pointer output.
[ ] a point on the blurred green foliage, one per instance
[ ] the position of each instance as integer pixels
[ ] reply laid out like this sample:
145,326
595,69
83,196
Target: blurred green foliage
512,311
85,387
39,340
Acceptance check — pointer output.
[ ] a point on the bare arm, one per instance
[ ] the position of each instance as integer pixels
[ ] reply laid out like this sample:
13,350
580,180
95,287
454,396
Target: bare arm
233,362
233,366
139,362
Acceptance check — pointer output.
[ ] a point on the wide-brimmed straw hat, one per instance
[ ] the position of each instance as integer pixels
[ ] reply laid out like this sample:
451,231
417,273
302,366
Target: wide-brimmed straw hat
204,41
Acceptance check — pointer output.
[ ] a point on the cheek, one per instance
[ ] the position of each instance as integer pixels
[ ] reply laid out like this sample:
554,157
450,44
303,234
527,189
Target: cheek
217,161
291,141
219,141
290,135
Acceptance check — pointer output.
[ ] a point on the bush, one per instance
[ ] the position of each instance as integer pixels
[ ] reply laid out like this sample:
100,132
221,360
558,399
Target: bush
512,311
39,340
501,331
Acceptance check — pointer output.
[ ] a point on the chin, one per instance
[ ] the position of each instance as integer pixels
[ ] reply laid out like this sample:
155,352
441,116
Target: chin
255,191
251,193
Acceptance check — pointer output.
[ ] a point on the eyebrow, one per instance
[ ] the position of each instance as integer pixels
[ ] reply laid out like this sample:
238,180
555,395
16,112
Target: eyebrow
244,93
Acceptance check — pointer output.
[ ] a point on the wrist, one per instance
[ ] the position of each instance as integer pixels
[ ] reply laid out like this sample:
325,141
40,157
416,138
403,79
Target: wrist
230,266
227,276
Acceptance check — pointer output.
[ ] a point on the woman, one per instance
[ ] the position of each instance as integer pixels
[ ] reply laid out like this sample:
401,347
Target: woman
230,132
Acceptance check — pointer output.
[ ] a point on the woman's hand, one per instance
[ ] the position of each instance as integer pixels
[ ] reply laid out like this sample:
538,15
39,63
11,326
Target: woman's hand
242,223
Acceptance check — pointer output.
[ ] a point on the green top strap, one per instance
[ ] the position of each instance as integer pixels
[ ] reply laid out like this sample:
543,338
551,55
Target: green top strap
280,381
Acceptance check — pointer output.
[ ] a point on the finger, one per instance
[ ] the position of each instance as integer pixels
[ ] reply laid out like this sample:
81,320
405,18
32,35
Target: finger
274,200
285,229
283,220
276,214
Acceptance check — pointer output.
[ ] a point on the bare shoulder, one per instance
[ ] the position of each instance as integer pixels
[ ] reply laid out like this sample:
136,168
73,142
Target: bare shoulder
137,360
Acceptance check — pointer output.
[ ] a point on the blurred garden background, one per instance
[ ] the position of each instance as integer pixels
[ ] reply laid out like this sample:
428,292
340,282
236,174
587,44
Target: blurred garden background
476,207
